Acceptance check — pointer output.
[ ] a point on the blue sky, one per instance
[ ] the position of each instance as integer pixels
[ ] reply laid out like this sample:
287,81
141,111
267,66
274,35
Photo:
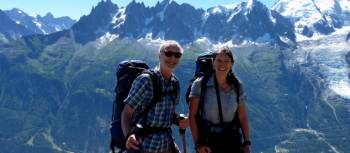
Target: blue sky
77,8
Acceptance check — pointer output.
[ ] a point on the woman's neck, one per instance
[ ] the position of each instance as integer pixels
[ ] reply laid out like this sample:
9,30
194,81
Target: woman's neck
221,79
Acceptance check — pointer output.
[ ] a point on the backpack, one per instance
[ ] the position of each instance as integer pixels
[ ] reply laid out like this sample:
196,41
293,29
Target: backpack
204,67
204,70
126,72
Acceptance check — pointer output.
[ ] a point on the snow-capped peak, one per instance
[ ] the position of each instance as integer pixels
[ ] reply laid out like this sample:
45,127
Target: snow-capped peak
345,6
34,15
230,6
314,16
167,2
119,18
250,4
298,9
216,9
219,9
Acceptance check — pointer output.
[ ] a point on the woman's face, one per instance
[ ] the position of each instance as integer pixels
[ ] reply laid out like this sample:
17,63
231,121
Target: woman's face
222,63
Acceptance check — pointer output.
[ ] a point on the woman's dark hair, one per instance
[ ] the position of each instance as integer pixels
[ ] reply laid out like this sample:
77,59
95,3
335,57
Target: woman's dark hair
224,50
231,77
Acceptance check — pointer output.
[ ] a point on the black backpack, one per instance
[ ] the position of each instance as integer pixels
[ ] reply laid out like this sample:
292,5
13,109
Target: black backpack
126,73
204,70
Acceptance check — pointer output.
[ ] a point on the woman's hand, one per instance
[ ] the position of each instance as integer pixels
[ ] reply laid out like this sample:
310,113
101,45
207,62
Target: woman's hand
132,143
247,149
203,149
183,122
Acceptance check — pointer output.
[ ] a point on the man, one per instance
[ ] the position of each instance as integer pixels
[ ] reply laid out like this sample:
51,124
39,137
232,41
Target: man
161,117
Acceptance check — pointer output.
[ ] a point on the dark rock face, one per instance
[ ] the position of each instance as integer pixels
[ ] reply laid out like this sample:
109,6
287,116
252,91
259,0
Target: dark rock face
307,31
180,22
10,29
88,28
167,20
347,58
323,27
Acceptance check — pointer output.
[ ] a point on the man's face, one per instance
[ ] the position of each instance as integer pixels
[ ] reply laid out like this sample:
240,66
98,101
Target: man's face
170,57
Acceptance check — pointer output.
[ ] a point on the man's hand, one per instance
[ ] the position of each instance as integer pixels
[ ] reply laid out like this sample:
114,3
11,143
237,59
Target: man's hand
132,143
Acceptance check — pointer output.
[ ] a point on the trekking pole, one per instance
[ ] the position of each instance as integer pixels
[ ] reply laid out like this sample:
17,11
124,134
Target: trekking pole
182,132
183,139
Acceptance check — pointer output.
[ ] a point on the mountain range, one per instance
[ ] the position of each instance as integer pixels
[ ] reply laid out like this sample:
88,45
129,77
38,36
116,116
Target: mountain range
16,18
247,21
10,30
170,20
38,24
56,90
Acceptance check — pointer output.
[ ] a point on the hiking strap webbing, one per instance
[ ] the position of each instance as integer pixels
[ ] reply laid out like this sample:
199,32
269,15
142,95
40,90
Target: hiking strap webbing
202,93
202,137
157,88
203,88
157,93
218,99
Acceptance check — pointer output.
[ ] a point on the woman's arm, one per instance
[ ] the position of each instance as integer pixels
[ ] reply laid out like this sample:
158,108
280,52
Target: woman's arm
243,119
194,102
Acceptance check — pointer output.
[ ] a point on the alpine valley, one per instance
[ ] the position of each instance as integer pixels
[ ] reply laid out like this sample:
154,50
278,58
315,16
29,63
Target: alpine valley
57,87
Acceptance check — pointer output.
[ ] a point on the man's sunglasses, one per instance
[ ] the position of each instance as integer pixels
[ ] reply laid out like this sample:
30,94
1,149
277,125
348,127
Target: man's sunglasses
169,54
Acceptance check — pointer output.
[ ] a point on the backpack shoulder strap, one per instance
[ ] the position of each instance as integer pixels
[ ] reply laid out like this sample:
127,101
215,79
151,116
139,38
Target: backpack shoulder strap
218,99
176,84
156,83
176,87
233,80
157,88
204,82
238,89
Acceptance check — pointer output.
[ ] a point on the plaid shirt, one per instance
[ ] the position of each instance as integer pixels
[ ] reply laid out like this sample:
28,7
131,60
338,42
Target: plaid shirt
161,115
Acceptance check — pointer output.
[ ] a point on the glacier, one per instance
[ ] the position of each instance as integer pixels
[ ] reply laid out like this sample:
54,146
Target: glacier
326,55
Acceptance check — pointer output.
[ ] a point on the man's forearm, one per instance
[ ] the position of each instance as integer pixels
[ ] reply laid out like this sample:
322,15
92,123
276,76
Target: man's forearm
126,120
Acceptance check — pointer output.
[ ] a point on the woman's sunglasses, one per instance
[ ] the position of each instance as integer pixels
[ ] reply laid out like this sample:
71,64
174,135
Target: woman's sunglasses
169,54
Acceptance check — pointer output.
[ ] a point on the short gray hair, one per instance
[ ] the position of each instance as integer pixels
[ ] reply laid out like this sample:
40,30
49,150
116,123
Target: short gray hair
170,43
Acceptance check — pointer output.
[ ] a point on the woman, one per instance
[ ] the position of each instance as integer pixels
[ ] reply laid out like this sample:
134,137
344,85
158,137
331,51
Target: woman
216,130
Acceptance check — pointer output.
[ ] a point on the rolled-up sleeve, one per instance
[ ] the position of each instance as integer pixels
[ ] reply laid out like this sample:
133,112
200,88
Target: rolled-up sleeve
242,96
196,88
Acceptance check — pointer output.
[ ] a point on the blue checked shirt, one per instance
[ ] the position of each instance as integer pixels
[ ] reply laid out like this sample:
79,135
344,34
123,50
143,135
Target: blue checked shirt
161,115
